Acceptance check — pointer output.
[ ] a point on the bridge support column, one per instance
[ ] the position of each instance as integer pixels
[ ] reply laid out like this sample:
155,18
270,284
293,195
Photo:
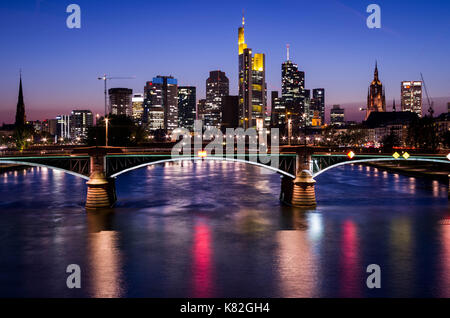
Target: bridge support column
299,192
101,192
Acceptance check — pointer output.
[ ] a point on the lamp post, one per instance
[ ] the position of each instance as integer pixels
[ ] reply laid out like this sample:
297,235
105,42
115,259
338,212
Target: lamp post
289,128
106,121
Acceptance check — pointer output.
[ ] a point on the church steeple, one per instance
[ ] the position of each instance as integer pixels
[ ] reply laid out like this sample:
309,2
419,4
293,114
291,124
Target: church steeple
20,110
375,74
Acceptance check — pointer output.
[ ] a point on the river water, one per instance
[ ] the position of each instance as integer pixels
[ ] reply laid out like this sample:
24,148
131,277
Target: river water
213,229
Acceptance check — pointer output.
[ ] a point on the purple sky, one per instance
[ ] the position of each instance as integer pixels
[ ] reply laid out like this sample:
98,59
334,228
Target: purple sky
329,40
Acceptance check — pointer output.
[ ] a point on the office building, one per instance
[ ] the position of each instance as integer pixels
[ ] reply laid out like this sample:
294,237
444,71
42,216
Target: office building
217,86
137,108
186,106
252,85
411,95
230,112
120,101
80,121
337,115
161,103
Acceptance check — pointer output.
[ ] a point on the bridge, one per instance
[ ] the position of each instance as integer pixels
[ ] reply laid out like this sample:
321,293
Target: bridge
297,165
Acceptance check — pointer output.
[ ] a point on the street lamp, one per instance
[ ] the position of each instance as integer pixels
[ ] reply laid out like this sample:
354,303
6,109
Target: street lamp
106,121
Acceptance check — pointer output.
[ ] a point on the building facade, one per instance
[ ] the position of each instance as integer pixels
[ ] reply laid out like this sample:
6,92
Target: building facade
137,108
318,106
161,103
80,121
230,112
120,101
337,115
217,87
411,94
376,101
252,85
186,106
293,92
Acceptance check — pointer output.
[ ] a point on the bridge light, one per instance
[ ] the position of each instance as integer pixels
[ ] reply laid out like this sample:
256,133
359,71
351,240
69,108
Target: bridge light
396,155
406,155
351,154
202,153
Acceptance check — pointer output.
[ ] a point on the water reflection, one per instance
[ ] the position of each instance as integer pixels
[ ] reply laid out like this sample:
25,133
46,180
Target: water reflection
297,265
401,256
350,267
105,260
202,267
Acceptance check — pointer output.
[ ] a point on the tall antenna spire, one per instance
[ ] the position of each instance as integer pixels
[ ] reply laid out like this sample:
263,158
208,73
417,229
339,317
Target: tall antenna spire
243,19
287,51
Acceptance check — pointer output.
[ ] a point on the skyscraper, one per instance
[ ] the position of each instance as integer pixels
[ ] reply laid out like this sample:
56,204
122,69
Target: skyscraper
318,106
293,91
376,101
63,126
411,94
20,109
186,106
252,84
161,103
337,115
230,112
137,107
80,121
120,101
278,111
217,86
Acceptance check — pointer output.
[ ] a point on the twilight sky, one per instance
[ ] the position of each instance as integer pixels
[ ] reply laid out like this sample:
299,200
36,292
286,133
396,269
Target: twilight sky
329,40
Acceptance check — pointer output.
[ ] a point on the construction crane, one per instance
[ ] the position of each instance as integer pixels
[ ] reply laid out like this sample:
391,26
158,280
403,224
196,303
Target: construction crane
105,78
429,100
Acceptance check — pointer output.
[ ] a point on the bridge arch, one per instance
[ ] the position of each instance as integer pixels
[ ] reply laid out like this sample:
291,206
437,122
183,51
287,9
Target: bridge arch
209,159
33,164
318,173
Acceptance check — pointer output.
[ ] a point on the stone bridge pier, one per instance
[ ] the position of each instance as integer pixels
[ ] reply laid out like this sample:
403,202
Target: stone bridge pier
101,191
299,192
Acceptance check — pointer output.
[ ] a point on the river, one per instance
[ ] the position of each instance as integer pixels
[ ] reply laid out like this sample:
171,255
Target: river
217,229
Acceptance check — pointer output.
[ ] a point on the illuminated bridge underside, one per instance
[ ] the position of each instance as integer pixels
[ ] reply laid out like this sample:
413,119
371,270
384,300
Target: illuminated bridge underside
77,166
119,164
116,165
323,163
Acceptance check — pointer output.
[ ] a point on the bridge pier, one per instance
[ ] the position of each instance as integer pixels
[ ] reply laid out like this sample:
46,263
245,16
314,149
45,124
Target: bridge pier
299,192
101,192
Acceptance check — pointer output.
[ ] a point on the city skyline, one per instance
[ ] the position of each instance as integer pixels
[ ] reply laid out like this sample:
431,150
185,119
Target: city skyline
47,95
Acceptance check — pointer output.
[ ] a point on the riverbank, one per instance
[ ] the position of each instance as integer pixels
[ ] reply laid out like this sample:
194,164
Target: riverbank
428,170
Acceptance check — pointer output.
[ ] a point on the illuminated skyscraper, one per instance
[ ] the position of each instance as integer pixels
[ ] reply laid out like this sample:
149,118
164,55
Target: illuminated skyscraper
411,94
337,115
278,111
293,92
120,101
80,121
376,101
217,87
137,107
186,106
161,103
318,106
252,84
